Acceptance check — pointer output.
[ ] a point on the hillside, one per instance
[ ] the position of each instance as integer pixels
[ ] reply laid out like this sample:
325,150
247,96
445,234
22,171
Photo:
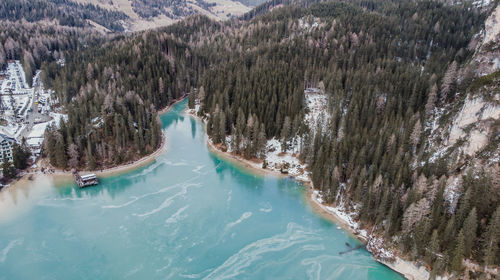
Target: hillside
409,139
144,14
61,12
119,15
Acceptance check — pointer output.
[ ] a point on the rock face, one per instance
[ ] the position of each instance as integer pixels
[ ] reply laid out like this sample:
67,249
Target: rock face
473,123
487,51
468,126
492,27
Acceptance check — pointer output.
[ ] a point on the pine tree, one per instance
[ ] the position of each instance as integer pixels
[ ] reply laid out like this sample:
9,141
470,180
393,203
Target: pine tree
469,229
448,79
285,134
449,233
20,155
491,239
415,135
458,253
73,155
240,127
433,248
431,100
191,99
60,154
464,207
222,128
261,148
91,162
201,95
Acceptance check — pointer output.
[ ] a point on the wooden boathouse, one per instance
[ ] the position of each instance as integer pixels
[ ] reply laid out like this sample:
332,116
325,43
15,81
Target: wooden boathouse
85,180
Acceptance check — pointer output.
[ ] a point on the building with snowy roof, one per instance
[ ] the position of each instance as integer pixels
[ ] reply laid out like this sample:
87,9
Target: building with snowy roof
6,145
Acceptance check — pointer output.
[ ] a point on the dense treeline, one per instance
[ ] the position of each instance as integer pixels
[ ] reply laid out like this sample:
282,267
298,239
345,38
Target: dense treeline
34,43
66,12
112,100
386,66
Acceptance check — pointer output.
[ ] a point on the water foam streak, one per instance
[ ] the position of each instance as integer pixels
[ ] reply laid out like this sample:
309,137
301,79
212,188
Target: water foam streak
236,264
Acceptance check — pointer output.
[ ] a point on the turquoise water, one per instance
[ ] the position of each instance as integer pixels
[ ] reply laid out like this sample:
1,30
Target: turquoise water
189,215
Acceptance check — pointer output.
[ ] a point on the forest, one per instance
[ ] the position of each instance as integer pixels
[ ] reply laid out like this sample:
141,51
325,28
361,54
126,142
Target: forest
112,103
35,44
387,67
67,13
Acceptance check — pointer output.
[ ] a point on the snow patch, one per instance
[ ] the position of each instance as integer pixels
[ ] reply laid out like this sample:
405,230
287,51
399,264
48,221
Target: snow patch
452,193
316,102
308,23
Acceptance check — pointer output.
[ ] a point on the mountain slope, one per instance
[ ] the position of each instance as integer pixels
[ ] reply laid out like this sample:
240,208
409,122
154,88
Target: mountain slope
410,139
63,12
144,14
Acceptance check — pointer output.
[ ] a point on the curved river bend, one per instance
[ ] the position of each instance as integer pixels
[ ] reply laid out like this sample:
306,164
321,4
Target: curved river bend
188,215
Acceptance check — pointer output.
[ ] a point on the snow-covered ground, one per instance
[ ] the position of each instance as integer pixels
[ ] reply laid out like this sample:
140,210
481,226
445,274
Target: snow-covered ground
309,23
452,193
276,159
17,99
15,80
317,103
481,3
57,117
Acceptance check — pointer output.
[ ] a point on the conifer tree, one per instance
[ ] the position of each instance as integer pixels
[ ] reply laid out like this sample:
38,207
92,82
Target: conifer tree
20,155
433,248
285,134
60,154
491,239
469,229
458,253
191,99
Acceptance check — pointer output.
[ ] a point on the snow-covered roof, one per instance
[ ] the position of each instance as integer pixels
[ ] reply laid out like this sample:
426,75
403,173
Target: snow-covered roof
38,130
34,141
88,177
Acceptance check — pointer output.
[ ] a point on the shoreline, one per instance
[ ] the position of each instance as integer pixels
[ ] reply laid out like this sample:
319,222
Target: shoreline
63,177
251,167
168,107
403,267
60,177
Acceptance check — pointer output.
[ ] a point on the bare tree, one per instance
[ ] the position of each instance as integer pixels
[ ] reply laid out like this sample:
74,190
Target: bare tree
431,100
448,79
414,213
415,135
73,155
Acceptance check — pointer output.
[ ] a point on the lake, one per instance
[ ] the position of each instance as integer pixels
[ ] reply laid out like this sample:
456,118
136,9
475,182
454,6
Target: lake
188,215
